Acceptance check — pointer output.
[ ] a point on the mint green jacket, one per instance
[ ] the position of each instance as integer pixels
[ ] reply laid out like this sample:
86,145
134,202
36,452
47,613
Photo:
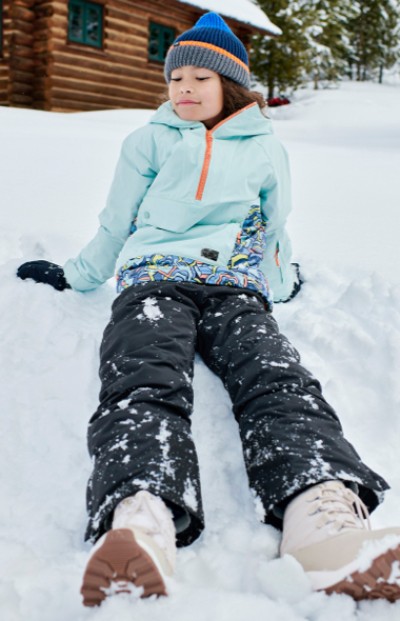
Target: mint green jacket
187,188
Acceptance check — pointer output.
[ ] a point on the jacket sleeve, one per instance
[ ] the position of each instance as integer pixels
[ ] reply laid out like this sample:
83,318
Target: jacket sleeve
276,205
133,176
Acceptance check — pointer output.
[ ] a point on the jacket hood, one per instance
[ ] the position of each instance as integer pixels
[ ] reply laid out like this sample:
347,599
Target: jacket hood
249,121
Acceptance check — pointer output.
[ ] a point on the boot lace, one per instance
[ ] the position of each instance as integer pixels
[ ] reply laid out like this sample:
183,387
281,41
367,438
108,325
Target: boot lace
339,507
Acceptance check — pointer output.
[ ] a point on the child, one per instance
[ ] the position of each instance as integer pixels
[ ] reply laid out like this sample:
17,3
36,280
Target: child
195,225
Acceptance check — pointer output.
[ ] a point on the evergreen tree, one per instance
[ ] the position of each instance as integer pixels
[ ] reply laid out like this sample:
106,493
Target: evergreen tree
282,62
375,37
389,49
314,42
328,38
325,39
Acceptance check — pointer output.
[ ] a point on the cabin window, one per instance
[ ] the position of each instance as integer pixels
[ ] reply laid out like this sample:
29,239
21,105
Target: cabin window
85,23
160,40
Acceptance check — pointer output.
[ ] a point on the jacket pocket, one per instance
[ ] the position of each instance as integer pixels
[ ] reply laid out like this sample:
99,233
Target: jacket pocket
168,215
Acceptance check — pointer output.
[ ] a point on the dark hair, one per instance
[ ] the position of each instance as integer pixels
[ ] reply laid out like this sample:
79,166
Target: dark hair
237,97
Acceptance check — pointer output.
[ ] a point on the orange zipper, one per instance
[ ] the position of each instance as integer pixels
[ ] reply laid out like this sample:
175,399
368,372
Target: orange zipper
206,166
207,155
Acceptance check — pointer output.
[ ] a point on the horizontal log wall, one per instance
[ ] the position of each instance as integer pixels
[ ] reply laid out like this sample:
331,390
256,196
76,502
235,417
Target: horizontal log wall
45,15
120,75
40,68
22,60
5,55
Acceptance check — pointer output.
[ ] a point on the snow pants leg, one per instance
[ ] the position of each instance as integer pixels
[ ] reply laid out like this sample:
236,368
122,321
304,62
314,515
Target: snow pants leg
291,436
140,436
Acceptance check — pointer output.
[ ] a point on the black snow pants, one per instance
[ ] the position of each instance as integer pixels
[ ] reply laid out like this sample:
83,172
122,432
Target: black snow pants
140,436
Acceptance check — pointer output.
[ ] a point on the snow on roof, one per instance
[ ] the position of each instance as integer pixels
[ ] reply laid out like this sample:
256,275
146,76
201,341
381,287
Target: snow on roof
243,10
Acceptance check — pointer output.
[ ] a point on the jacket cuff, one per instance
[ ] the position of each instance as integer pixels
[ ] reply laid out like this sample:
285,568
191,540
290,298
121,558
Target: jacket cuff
75,278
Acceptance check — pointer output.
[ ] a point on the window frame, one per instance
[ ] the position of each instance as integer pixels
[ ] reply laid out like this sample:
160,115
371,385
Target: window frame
86,5
163,29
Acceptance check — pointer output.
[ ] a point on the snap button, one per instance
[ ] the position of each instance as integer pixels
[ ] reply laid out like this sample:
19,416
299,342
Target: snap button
146,215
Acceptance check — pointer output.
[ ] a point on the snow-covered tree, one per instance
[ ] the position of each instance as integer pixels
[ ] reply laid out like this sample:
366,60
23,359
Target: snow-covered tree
328,38
324,40
282,62
375,36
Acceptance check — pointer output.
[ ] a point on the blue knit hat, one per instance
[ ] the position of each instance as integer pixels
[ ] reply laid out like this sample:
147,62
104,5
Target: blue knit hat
210,44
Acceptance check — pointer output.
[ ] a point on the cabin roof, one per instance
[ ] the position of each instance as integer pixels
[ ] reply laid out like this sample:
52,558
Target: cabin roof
245,11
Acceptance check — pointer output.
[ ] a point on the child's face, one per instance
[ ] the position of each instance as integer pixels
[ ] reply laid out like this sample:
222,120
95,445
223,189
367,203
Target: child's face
196,94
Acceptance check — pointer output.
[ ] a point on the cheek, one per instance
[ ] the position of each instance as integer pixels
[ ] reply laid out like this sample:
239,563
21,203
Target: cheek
220,100
215,99
172,95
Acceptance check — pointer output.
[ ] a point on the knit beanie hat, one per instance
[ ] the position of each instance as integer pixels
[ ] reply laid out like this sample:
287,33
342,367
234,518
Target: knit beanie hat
210,44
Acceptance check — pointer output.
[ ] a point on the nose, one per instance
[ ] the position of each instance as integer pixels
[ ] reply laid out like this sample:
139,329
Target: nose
185,88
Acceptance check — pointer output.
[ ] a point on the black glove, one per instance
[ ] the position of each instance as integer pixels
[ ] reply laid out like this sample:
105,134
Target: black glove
297,285
44,271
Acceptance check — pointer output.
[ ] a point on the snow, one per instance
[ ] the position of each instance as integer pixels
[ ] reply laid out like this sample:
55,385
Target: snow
245,11
151,310
56,170
163,437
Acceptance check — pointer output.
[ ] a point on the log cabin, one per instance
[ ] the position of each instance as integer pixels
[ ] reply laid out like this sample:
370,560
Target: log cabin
78,55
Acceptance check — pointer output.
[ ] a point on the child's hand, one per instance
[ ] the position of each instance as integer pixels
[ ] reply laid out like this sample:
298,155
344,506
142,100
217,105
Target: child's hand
45,272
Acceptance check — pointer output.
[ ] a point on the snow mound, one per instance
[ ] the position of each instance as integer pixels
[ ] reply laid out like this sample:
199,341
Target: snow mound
345,322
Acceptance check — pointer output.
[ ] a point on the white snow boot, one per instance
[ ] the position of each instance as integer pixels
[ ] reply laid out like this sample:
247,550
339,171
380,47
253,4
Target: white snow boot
136,555
327,529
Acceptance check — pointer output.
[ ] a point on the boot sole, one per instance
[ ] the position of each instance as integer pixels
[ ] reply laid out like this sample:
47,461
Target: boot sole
120,565
380,581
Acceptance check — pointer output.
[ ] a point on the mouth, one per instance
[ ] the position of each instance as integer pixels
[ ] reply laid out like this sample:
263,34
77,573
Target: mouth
186,102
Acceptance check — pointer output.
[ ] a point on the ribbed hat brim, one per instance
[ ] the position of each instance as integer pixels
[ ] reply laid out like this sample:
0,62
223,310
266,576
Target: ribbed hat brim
202,54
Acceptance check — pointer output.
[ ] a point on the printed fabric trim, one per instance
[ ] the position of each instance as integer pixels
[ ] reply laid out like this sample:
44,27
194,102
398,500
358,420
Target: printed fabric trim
242,270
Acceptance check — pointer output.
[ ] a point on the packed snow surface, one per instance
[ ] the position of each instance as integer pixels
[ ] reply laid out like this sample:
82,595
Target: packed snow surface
55,172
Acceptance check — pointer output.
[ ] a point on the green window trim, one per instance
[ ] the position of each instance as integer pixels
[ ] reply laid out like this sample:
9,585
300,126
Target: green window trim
85,23
160,39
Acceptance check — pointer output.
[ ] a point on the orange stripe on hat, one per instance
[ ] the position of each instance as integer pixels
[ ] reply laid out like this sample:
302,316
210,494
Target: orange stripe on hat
214,48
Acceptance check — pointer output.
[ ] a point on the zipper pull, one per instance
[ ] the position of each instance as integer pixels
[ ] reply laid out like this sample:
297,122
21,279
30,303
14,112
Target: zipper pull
277,260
